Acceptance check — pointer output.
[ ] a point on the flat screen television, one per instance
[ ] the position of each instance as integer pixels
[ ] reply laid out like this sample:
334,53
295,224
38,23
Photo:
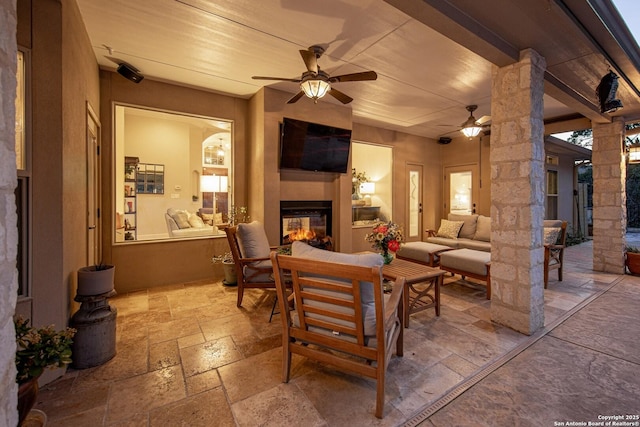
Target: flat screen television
314,147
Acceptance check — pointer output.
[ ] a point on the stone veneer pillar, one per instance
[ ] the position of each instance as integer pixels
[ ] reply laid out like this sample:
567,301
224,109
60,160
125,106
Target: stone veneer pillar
517,193
609,197
8,230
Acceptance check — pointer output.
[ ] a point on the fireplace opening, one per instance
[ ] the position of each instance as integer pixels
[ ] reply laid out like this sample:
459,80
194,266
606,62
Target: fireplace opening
306,220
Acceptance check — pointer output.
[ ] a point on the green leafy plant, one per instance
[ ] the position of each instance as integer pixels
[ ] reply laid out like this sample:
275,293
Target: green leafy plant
226,258
38,349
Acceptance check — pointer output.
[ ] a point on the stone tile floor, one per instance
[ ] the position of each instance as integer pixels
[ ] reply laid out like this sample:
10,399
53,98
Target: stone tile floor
187,356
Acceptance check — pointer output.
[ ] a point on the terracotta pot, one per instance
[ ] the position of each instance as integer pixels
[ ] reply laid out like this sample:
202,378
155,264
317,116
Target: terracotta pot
632,261
95,282
27,394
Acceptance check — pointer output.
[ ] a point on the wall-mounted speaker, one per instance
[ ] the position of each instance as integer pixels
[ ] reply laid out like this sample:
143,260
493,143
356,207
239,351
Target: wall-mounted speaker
130,73
444,140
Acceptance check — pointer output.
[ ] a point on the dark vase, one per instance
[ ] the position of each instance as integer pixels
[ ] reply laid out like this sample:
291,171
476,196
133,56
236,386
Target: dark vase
388,257
27,394
632,261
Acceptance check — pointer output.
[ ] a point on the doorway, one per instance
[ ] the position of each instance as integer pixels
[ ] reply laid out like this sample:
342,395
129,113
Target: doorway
94,241
460,189
414,197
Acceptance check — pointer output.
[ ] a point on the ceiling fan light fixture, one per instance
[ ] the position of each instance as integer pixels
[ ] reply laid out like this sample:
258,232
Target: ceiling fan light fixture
315,88
471,128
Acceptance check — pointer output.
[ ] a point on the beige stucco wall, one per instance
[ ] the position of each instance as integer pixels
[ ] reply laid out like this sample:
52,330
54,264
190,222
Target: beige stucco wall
141,265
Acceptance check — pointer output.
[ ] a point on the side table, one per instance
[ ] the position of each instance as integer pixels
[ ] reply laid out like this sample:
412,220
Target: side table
419,281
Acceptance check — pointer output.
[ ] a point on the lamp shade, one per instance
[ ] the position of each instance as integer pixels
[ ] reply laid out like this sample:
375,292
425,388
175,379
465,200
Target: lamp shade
208,183
471,131
214,183
315,88
368,188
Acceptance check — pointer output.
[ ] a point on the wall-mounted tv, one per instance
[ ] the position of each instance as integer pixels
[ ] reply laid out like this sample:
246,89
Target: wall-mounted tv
314,147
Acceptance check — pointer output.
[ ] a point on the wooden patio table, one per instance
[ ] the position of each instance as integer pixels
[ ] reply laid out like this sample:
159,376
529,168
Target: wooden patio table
420,280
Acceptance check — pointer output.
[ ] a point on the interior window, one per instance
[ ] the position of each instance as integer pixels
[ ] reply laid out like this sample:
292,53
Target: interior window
551,211
371,195
169,183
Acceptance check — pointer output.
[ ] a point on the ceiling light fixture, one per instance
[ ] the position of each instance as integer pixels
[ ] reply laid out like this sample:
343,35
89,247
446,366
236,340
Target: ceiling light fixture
471,128
315,86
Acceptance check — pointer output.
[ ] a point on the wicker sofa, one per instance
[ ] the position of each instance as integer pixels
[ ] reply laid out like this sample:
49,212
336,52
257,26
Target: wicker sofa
463,232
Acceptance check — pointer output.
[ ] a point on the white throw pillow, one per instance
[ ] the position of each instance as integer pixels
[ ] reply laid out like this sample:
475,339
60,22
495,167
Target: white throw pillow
181,218
450,229
195,221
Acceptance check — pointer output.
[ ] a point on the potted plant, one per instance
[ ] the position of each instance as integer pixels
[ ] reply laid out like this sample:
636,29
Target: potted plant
95,279
632,259
229,268
36,350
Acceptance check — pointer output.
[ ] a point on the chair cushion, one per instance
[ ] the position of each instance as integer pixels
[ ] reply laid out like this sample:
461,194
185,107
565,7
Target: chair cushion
468,229
466,260
252,240
420,251
253,274
302,250
450,229
551,235
483,229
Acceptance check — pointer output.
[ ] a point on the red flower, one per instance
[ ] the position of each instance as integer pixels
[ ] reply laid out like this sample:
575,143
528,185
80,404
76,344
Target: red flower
393,245
381,229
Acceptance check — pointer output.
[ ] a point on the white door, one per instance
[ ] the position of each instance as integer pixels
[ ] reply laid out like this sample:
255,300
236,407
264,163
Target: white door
414,196
460,189
94,247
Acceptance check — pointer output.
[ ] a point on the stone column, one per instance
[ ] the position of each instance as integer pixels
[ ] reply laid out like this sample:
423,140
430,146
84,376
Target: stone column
8,219
517,193
609,197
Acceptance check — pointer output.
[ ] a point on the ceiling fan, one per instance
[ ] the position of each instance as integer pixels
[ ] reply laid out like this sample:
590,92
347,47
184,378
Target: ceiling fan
316,83
472,127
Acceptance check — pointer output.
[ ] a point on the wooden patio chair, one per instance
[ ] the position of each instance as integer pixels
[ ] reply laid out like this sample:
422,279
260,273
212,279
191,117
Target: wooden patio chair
250,250
340,308
554,251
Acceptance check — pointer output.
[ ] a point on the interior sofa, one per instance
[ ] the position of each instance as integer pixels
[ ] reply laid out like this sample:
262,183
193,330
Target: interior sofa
182,223
463,232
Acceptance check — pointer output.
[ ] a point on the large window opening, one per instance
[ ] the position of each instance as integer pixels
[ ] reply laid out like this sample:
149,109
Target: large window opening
173,175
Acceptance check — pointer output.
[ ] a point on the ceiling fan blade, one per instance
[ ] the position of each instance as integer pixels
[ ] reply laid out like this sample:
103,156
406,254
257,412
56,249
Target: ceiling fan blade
295,97
284,79
484,120
345,99
355,77
310,60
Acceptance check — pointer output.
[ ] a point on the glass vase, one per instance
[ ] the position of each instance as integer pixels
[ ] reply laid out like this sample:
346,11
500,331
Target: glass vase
388,257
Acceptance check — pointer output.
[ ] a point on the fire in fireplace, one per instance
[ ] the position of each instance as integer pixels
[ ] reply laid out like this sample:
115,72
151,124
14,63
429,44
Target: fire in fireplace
309,221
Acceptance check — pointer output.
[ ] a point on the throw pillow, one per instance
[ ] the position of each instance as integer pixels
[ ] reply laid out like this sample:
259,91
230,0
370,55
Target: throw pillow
450,229
252,240
195,221
483,229
207,218
217,218
551,235
468,230
181,218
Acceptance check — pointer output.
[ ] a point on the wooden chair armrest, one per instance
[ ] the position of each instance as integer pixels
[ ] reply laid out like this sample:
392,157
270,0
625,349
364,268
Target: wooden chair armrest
554,246
391,307
431,233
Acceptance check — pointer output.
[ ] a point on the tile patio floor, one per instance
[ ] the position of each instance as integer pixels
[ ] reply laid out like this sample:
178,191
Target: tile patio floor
186,356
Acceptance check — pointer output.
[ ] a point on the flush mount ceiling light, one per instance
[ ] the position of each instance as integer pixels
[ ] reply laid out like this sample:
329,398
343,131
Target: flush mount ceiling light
606,92
471,128
315,86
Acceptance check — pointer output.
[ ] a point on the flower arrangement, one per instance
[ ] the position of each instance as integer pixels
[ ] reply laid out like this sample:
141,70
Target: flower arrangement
385,237
38,349
357,178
